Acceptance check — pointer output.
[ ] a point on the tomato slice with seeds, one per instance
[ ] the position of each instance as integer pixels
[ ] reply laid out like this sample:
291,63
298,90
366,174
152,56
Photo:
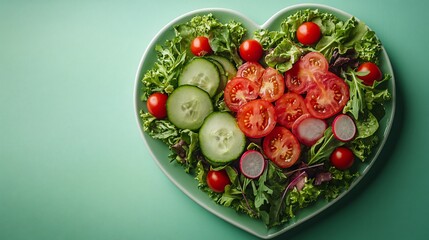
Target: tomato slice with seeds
289,108
272,85
256,118
239,91
314,61
301,76
295,80
282,147
327,99
252,71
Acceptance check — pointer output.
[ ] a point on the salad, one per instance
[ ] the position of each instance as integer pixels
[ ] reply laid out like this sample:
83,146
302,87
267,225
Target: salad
268,122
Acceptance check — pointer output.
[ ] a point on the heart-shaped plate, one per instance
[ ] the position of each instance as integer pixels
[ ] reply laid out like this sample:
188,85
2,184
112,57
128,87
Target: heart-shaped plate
187,183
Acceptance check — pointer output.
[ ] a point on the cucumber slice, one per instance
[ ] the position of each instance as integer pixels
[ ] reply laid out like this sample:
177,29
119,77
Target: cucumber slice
202,73
188,106
222,74
230,69
221,141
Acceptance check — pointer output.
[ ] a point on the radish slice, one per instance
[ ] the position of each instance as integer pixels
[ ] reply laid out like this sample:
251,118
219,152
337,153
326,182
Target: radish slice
252,164
344,128
308,129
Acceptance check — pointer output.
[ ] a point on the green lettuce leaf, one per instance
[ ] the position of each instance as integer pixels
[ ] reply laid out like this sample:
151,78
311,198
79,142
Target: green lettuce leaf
284,55
323,148
163,76
363,97
226,40
345,37
298,199
341,181
162,129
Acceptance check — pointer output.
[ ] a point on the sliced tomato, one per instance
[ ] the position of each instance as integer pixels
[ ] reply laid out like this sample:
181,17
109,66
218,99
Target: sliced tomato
301,77
298,79
314,61
328,97
256,118
252,71
272,85
239,91
282,147
289,108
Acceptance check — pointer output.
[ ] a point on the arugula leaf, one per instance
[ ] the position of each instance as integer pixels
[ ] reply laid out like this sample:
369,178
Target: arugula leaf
262,190
363,97
323,148
356,104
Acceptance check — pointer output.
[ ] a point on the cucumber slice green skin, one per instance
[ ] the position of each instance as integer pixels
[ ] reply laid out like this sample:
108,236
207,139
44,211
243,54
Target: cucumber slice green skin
188,106
222,75
221,140
202,73
230,69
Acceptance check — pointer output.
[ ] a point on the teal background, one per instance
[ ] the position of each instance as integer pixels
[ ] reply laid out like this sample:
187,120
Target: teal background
73,164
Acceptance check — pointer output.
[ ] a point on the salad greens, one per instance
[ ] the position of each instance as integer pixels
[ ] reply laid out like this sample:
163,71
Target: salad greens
284,49
278,194
175,53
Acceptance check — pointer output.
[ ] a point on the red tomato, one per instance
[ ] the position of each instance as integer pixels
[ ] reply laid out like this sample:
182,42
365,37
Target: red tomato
252,71
342,158
272,85
217,180
156,105
200,46
373,73
289,108
251,50
328,97
239,91
282,147
314,61
295,80
308,33
301,77
256,118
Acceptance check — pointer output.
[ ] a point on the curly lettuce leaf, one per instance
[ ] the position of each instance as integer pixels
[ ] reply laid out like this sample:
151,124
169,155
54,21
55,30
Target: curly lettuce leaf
160,129
165,72
284,55
341,181
298,199
183,143
225,41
